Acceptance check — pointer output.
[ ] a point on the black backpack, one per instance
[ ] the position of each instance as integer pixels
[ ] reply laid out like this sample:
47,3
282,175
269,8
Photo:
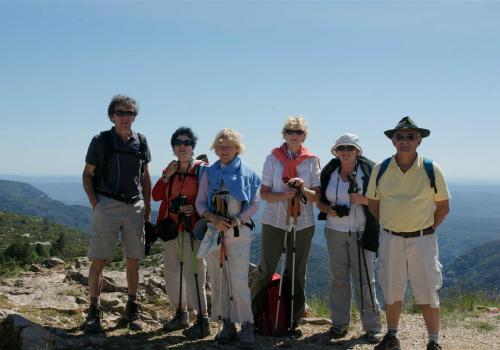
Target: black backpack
109,150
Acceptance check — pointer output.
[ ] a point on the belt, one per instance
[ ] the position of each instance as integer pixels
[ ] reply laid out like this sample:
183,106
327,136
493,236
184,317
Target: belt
424,232
122,197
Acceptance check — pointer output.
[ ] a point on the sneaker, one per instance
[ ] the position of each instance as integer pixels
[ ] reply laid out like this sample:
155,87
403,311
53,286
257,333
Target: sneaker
389,342
92,323
247,338
337,332
228,333
432,345
131,317
179,321
373,337
200,329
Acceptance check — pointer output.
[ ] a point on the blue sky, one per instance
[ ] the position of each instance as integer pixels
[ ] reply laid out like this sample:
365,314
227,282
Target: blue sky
346,66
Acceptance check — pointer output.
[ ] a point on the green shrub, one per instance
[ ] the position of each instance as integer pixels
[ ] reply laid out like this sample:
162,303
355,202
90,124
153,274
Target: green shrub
319,307
40,250
20,252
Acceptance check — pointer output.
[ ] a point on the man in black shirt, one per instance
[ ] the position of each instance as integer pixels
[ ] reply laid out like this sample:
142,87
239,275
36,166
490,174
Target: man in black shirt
117,182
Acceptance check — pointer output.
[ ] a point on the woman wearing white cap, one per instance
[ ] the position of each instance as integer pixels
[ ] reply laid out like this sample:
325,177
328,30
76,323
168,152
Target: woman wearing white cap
351,234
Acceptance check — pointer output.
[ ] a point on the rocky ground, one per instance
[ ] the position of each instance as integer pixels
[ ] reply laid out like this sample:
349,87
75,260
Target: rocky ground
43,309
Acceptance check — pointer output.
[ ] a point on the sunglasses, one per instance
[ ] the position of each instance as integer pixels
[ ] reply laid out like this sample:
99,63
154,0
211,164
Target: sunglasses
124,113
349,148
183,142
405,137
294,131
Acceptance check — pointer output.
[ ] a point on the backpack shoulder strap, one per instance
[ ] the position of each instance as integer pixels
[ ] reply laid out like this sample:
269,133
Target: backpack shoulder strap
199,168
326,172
108,145
142,146
429,169
383,168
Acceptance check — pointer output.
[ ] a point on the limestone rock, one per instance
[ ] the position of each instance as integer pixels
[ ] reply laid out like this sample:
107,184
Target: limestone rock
20,333
43,291
36,268
52,262
82,262
317,321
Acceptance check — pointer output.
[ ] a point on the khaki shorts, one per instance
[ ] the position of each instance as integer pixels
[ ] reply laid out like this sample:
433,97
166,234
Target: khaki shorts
414,259
111,217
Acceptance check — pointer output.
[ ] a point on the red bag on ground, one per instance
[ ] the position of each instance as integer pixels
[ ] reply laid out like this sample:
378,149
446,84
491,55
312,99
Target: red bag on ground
267,312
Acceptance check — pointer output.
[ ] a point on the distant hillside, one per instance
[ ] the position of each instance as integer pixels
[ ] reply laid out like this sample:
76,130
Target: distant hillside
477,269
25,199
15,227
318,268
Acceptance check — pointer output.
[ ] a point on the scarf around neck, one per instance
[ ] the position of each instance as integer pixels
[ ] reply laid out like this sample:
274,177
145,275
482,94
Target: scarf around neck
290,164
240,181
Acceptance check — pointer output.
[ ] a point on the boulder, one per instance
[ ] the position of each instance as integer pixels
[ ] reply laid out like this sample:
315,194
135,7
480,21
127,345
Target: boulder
52,262
36,268
21,334
82,262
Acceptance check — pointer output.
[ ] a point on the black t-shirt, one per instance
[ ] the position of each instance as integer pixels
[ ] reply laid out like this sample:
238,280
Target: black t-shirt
118,170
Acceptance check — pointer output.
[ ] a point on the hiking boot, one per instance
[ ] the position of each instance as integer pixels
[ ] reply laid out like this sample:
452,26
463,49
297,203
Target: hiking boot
179,321
200,329
296,331
389,342
247,338
92,323
131,317
432,345
228,333
373,337
337,332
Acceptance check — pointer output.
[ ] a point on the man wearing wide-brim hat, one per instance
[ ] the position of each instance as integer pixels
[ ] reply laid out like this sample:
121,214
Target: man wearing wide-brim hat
410,198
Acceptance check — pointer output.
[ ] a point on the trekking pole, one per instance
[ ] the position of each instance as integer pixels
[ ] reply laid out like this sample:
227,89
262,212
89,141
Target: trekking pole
222,210
181,265
230,290
358,239
283,257
360,274
295,203
219,318
368,280
195,270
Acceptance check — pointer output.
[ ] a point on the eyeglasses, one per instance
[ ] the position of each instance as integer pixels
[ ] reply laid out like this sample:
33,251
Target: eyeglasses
349,148
294,131
405,137
119,113
225,147
183,142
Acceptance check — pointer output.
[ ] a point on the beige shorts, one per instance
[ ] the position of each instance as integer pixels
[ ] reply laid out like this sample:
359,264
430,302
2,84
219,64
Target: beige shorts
111,217
409,259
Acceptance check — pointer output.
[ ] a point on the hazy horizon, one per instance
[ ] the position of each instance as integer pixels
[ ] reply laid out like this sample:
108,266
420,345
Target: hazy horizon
346,66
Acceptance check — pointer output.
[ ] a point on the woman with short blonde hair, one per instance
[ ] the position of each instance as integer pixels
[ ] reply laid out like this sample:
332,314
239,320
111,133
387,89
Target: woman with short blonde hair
290,184
230,135
228,197
297,122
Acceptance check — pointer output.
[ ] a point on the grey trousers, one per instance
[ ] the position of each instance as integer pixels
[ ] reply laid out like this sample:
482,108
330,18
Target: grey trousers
344,274
272,245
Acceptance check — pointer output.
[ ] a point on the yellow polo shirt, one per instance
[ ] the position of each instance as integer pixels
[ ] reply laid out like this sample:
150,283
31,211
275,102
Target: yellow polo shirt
406,198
